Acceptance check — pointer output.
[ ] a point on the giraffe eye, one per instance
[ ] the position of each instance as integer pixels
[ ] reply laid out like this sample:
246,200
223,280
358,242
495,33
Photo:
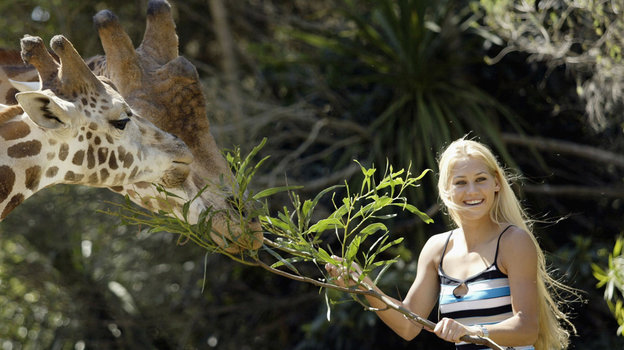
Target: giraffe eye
120,124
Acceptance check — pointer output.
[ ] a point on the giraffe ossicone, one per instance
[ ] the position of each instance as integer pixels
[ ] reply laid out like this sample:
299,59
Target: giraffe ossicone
77,129
165,87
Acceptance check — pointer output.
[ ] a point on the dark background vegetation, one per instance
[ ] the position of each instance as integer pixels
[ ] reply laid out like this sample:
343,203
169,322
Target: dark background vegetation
327,81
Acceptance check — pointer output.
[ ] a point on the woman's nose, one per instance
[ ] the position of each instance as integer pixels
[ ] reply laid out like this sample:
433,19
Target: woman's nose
472,187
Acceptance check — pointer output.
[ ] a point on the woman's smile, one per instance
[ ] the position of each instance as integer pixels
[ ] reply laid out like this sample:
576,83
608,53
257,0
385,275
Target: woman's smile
473,202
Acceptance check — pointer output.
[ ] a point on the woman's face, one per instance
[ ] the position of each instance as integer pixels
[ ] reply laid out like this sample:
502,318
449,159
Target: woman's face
472,188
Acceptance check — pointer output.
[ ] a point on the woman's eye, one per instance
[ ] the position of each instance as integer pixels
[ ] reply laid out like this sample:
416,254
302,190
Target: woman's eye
120,124
460,183
481,179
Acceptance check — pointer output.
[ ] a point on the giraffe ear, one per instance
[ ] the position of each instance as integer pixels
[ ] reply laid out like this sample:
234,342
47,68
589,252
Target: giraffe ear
25,85
45,110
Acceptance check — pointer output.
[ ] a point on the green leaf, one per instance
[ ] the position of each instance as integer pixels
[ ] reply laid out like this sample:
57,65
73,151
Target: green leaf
412,209
326,224
382,202
372,228
274,190
423,174
281,260
325,257
388,245
353,248
275,222
306,208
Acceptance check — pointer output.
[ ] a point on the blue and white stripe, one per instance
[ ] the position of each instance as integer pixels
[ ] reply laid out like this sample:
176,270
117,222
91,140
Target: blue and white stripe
488,300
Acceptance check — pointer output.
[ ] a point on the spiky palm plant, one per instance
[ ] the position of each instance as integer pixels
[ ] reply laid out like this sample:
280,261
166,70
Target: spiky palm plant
404,70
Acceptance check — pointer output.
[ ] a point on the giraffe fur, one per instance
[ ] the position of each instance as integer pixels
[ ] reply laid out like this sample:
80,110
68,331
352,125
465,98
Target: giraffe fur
81,131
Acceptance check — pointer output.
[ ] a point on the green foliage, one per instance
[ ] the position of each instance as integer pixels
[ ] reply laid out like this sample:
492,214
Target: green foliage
356,218
401,67
584,36
612,279
294,238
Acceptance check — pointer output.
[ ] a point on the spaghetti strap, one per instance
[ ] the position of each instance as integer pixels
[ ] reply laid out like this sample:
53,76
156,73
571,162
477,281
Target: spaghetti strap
444,250
498,244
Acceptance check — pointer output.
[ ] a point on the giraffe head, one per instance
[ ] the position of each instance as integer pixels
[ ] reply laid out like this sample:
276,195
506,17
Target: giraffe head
165,87
86,131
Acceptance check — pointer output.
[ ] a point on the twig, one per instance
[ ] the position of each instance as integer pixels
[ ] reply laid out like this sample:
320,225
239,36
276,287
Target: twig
560,146
370,292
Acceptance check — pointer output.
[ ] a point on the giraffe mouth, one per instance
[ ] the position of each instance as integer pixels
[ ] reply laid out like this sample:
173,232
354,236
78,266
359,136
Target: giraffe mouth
176,175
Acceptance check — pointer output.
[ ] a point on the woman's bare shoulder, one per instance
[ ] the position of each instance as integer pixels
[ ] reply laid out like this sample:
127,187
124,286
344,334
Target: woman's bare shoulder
517,237
434,246
517,245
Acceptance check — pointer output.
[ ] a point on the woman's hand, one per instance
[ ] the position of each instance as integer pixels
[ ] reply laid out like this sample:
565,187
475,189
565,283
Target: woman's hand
451,330
342,278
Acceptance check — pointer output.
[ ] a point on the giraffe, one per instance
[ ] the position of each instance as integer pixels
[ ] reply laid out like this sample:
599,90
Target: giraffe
78,130
163,86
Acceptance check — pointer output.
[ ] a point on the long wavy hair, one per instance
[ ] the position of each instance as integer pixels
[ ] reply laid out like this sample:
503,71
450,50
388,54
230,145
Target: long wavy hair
507,209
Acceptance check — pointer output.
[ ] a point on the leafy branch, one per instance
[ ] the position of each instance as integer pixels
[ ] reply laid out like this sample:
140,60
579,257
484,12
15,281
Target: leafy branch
294,238
612,278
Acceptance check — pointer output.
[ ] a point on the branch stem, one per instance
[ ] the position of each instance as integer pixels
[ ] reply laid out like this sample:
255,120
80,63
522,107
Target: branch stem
369,291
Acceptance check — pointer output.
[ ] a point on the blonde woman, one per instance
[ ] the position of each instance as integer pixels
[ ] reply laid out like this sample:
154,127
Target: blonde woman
488,274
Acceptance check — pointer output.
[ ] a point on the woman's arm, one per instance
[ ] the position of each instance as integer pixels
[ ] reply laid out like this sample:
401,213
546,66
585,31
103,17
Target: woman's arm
518,259
421,297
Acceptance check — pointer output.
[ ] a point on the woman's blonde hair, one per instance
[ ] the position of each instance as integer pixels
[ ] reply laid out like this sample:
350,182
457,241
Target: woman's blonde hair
507,209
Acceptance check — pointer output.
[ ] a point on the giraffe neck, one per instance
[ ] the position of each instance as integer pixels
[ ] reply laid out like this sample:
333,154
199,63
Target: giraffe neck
30,159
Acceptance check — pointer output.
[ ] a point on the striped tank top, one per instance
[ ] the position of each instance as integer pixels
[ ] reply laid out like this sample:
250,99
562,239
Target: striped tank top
481,299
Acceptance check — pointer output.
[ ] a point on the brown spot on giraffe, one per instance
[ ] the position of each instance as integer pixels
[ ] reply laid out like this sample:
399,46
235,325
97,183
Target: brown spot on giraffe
93,178
12,204
78,157
102,153
52,171
33,175
125,158
104,174
121,151
117,188
93,126
133,173
10,113
120,177
90,157
10,96
7,180
143,185
97,140
63,151
24,149
52,142
128,160
73,177
109,139
112,161
89,135
14,130
51,155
